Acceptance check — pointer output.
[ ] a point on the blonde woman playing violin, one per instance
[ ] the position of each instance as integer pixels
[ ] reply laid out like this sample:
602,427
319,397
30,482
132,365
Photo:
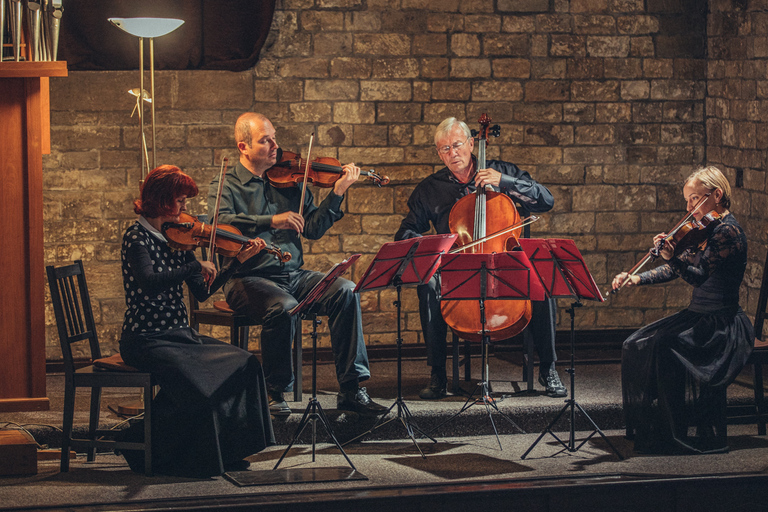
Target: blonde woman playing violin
675,371
212,408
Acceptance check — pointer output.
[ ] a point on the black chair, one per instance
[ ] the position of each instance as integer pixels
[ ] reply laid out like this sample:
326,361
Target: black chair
74,320
756,412
222,314
466,361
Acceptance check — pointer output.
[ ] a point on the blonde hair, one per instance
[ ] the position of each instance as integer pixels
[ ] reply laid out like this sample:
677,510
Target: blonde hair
712,178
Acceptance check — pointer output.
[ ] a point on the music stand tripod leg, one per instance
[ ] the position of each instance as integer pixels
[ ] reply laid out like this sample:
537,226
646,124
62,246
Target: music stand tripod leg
403,413
314,410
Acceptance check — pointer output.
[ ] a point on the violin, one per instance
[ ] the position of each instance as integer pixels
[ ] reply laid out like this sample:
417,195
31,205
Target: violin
323,172
190,233
691,234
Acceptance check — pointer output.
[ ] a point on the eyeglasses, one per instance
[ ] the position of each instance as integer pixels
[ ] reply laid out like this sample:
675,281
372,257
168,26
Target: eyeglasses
456,145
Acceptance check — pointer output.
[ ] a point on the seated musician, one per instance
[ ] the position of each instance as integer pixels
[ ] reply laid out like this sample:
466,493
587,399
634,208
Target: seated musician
431,203
212,409
675,371
266,291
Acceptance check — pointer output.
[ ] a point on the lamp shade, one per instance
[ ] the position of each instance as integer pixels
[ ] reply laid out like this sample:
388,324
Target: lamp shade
147,27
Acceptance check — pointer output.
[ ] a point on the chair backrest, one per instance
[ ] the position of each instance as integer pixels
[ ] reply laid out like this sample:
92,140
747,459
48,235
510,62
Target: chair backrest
762,302
72,307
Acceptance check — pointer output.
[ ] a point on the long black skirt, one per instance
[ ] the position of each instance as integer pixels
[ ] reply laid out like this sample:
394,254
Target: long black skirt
674,374
212,409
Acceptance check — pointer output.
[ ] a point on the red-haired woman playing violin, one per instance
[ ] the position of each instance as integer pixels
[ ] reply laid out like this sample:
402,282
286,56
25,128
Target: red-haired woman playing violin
675,371
212,408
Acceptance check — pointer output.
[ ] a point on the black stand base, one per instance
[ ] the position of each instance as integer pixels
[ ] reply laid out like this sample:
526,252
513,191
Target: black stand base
572,404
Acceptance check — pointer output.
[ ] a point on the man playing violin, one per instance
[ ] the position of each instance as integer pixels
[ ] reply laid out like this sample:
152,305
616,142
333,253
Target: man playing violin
675,371
266,290
431,202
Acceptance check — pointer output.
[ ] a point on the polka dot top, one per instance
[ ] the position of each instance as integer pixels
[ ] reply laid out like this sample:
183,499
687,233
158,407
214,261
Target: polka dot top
153,278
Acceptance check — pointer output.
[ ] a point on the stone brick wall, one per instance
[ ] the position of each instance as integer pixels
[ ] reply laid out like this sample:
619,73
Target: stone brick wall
601,100
737,128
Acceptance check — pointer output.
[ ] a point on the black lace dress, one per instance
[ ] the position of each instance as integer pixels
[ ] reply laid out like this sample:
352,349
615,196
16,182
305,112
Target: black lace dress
675,371
212,408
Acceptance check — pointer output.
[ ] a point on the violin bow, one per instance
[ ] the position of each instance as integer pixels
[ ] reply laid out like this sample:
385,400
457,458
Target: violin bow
306,174
215,219
655,251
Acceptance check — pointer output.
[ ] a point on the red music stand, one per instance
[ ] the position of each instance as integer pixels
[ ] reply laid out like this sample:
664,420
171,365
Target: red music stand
405,263
564,273
314,412
481,277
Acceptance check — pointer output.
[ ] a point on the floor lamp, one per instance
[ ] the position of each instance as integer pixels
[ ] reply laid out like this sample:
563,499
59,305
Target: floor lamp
150,28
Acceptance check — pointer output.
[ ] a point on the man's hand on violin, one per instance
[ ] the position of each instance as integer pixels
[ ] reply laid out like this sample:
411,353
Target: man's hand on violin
351,174
208,271
633,280
250,249
288,220
487,177
665,245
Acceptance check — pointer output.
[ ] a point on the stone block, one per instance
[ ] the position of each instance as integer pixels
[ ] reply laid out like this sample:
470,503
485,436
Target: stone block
574,223
445,22
330,90
590,90
600,198
522,24
553,23
594,24
303,67
465,45
627,5
401,21
585,68
209,136
382,44
646,112
545,68
546,90
381,224
319,21
332,43
430,44
623,68
596,134
694,134
549,135
340,4
506,45
398,112
482,6
453,90
370,135
635,90
329,243
638,134
658,68
364,243
362,21
98,90
539,112
435,68
532,155
612,222
380,90
495,90
355,112
677,90
568,46
539,45
513,68
592,154
608,46
395,68
523,5
430,5
578,112
334,135
435,112
638,24
371,156
310,112
233,90
641,46
501,112
350,67
422,91
482,23
470,68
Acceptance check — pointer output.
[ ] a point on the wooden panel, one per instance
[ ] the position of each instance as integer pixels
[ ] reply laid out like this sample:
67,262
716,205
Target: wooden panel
24,133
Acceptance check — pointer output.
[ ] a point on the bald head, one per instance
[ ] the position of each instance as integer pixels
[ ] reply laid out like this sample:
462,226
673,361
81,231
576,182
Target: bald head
255,138
244,125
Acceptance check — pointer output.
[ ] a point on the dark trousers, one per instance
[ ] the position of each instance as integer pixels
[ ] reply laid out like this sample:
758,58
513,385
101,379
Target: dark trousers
269,300
541,326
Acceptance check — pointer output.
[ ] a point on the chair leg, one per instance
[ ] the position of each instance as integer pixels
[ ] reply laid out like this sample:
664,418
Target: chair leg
244,335
467,360
528,359
93,420
760,399
297,366
455,364
148,430
69,416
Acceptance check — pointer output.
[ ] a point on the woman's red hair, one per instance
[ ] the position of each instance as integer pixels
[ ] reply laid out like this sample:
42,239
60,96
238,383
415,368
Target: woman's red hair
161,188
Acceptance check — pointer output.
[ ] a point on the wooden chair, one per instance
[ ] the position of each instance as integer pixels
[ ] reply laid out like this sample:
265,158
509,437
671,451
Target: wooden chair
222,314
74,321
757,412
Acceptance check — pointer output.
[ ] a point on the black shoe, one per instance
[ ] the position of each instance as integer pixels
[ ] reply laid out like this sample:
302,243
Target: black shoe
436,389
277,404
238,465
551,381
358,401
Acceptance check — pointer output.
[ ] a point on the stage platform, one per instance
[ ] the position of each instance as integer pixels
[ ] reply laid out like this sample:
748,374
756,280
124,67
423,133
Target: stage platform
464,470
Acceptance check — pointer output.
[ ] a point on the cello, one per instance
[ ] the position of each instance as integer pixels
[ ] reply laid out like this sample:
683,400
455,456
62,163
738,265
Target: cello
472,217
